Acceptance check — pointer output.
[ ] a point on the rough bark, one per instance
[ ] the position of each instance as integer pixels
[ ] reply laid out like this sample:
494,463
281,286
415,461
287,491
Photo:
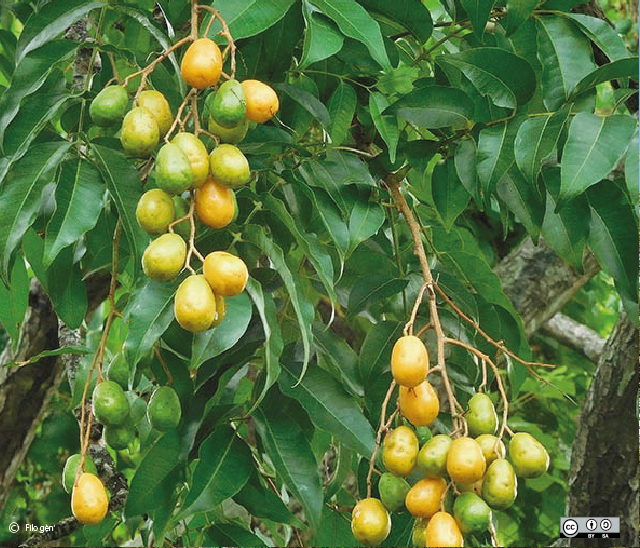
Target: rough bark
575,335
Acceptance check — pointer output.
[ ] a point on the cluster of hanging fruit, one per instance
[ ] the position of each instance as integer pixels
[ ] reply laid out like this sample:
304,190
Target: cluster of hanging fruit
459,481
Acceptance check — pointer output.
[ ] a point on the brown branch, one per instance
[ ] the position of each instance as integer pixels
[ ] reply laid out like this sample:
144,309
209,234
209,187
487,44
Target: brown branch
384,425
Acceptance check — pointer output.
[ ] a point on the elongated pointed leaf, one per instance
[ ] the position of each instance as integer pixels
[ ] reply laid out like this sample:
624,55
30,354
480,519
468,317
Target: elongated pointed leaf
372,289
250,17
594,146
631,169
342,106
65,350
602,33
335,355
261,502
224,467
413,15
79,199
355,22
20,195
465,162
522,198
449,194
375,354
622,68
306,100
14,301
322,38
329,407
231,534
365,221
387,125
478,12
518,11
506,78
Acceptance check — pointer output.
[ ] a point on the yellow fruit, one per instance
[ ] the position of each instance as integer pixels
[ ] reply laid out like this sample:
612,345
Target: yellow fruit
164,257
89,502
196,153
155,211
423,499
227,274
400,451
465,461
140,133
420,404
229,166
528,456
370,522
262,101
409,361
487,443
419,533
202,64
159,108
442,530
221,310
195,304
215,204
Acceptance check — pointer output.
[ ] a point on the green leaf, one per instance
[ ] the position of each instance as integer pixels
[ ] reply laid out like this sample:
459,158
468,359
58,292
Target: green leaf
79,199
478,12
125,189
434,107
449,194
397,81
374,287
593,148
613,228
342,106
337,357
291,455
50,21
307,101
250,17
321,38
62,281
263,503
386,125
375,353
602,34
148,315
622,68
156,465
465,162
355,22
14,301
303,309
631,174
273,343
566,57
213,342
506,78
329,407
536,140
230,534
518,11
521,197
20,195
224,467
365,221
65,350
413,15
334,529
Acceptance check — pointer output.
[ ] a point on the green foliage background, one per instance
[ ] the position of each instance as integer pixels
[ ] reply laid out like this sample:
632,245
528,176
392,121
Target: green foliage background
503,134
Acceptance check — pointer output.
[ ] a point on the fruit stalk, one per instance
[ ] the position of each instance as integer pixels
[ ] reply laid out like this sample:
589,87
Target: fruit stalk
177,120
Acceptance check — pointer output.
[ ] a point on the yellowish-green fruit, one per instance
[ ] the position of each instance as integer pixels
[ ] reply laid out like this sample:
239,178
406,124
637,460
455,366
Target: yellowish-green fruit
393,490
215,204
424,498
173,169
442,530
465,461
481,416
109,106
164,257
500,485
400,451
221,310
432,459
201,65
159,108
370,522
197,154
183,228
229,135
110,404
227,274
262,101
419,404
419,533
409,361
492,448
119,437
472,514
89,501
195,304
71,468
229,167
528,456
164,409
229,105
140,133
155,211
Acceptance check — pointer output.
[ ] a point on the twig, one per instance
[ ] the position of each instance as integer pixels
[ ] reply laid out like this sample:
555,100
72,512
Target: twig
158,354
230,50
178,119
383,427
408,328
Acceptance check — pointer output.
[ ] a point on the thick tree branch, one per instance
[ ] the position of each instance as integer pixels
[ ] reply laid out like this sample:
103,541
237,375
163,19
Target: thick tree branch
575,335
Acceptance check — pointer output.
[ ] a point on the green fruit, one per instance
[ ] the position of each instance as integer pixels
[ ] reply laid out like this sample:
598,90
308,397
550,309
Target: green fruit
110,404
487,443
229,105
164,257
70,468
119,437
229,166
197,155
140,133
393,491
183,228
471,513
109,106
164,410
173,169
432,458
229,135
424,434
118,371
155,211
528,456
419,533
500,485
481,416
